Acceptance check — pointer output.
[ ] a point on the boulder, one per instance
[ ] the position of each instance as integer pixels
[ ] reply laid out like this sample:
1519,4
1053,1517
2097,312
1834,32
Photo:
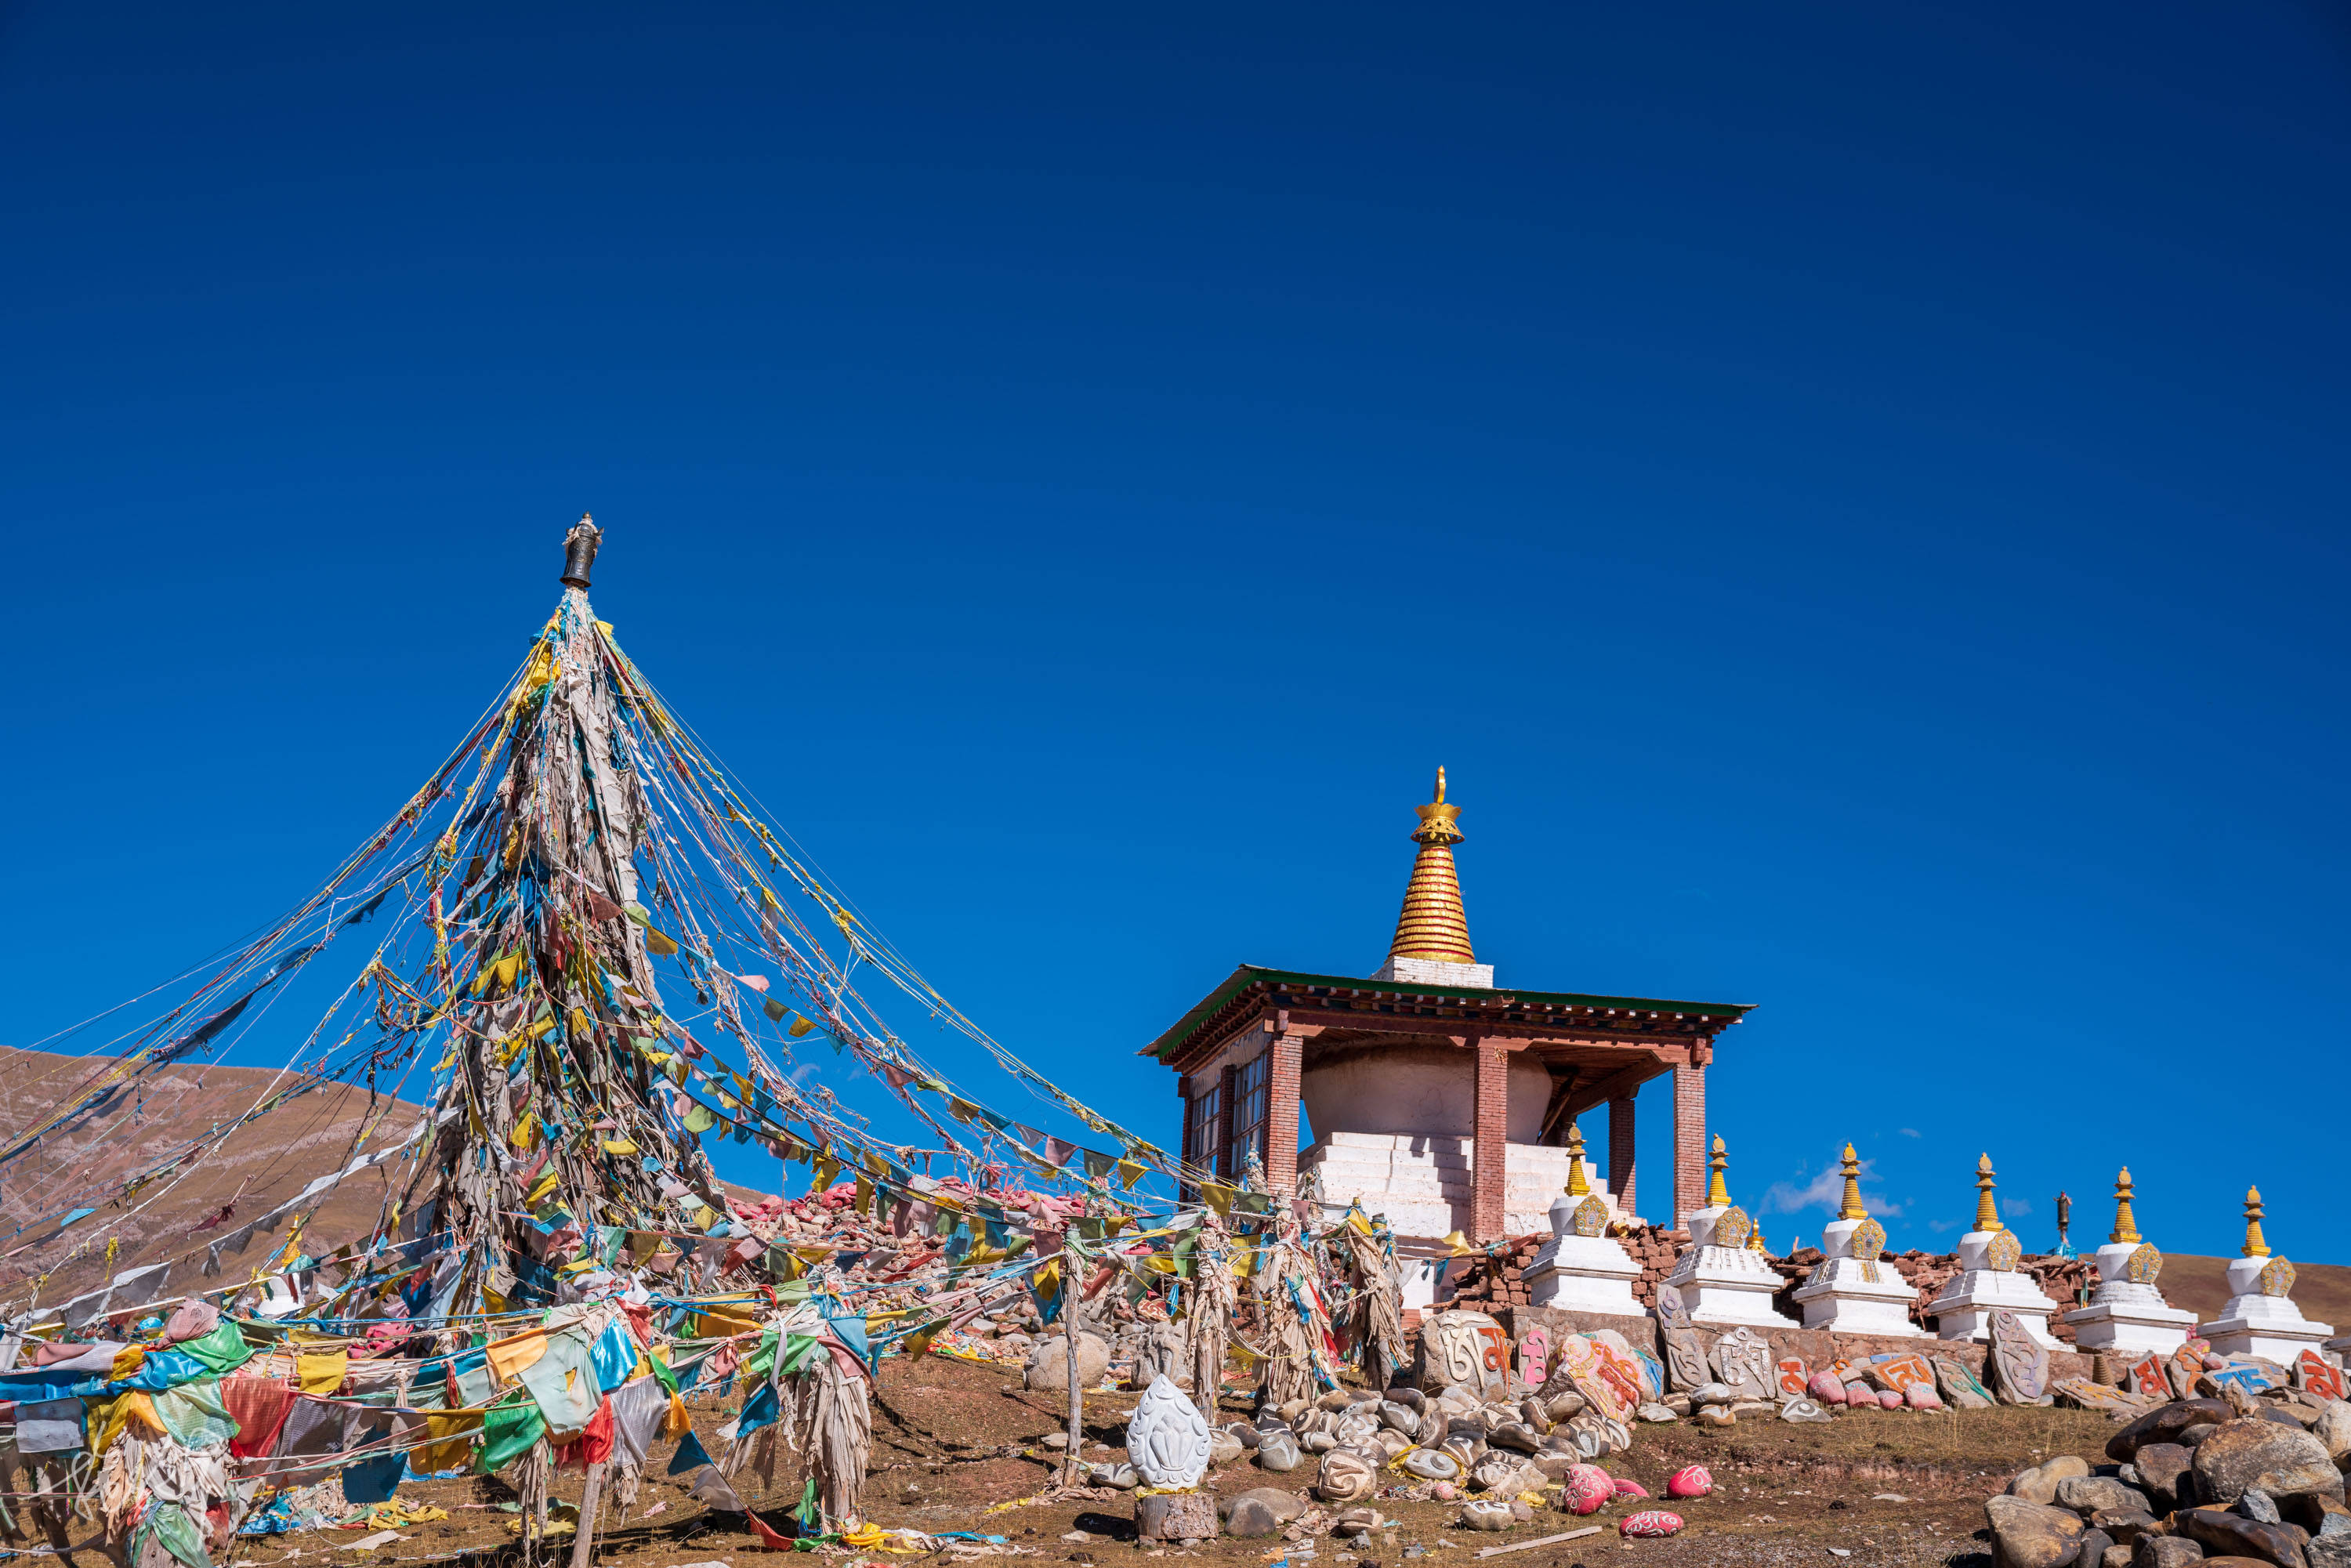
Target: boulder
1249,1519
2317,1512
2225,1534
1345,1476
2333,1428
1224,1448
2092,1551
2123,1525
2165,1552
1277,1450
2258,1506
1487,1516
1655,1415
2038,1484
2328,1552
2164,1424
1284,1506
2246,1455
2085,1495
1048,1362
2160,1467
2031,1535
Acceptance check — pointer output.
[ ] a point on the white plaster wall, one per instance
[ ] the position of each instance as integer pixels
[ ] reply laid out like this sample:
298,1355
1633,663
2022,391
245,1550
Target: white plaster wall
1429,1088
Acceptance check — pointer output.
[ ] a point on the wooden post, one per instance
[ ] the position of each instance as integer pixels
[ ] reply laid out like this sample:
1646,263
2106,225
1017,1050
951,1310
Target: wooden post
583,1543
1069,1298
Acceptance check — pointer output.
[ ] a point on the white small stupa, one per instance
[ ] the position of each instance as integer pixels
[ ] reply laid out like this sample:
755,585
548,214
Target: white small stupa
1582,1269
1722,1277
2260,1318
1989,1280
2127,1312
1851,1292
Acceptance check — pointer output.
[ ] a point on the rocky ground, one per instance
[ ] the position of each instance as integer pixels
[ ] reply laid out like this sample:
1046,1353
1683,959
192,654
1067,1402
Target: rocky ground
961,1447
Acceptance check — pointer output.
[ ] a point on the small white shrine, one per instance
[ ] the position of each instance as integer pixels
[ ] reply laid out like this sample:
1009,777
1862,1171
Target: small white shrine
1988,1278
2127,1312
1724,1277
1582,1268
1851,1292
2260,1318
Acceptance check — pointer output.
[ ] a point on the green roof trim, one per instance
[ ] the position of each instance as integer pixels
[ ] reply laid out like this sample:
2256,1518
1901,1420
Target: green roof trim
1249,974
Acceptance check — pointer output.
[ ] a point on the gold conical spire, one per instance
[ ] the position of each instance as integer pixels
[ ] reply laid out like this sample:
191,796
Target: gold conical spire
1717,1195
1578,1185
1851,1207
1431,924
1987,1212
2255,1247
2125,1222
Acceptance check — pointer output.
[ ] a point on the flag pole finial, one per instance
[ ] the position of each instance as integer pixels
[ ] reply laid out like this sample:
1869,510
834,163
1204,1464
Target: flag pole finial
579,551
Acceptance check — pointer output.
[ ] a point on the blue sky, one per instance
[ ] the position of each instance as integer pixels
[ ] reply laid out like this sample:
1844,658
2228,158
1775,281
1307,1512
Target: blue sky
1852,496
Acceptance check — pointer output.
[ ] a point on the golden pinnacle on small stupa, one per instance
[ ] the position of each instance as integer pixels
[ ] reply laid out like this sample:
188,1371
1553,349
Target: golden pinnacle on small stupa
2125,1222
1851,1207
1578,1185
1755,1241
1432,926
1987,1212
1718,1195
2255,1247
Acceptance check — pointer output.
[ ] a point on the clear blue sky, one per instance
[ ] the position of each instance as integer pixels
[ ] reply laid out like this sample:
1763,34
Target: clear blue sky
1854,495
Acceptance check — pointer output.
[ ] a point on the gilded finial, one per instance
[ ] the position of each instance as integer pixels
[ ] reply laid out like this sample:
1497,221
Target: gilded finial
2125,1222
1851,1207
1578,1185
1755,1242
1718,1195
2255,1247
1987,1212
1432,925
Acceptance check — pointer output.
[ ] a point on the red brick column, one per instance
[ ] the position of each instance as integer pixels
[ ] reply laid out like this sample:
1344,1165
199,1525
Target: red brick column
1224,1160
1191,1125
1282,1115
1488,1176
1620,1152
1689,1143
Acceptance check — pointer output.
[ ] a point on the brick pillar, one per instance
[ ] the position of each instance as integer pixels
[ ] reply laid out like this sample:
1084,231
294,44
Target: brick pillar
1489,1175
1620,1152
1187,1192
1224,1159
1689,1143
1282,1115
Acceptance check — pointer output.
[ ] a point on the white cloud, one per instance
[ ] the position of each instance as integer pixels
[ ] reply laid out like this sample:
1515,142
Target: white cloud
1826,1190
2019,1206
1942,1225
1910,1132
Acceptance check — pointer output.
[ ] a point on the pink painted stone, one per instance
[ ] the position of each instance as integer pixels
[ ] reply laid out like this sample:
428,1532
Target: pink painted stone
1888,1400
1826,1389
1651,1522
1922,1396
1693,1481
1627,1487
1586,1489
1861,1394
1443,1491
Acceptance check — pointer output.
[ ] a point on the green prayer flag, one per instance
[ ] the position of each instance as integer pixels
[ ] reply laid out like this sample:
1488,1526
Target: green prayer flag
507,1433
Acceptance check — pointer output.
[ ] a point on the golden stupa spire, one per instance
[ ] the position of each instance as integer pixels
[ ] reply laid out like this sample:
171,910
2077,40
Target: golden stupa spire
1578,1185
1717,1195
2254,1246
2125,1222
1987,1212
1431,924
1851,1207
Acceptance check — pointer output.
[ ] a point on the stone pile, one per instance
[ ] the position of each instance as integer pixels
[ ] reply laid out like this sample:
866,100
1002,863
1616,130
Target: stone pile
2243,1478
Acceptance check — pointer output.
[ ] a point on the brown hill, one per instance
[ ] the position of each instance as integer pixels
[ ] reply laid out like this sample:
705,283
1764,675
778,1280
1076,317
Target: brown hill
260,1167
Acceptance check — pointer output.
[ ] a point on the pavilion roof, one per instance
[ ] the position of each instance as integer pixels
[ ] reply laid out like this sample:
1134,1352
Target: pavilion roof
1507,1000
